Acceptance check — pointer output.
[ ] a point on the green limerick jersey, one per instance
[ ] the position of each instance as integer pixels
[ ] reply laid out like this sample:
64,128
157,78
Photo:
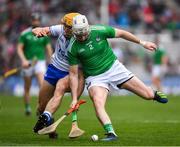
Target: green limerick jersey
157,57
33,46
95,55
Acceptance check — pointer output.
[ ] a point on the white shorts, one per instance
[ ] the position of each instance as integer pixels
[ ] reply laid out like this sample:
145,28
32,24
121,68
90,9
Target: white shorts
39,67
157,71
116,75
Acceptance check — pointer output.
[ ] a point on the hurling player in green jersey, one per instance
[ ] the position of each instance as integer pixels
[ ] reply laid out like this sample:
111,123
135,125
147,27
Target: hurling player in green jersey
160,61
30,47
101,68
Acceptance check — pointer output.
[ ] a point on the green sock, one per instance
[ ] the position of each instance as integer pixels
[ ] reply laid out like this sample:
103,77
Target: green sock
27,107
109,128
74,116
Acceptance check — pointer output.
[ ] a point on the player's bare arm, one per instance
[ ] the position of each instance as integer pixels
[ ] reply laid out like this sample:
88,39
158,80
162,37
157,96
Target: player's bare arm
73,75
130,37
20,52
81,82
41,31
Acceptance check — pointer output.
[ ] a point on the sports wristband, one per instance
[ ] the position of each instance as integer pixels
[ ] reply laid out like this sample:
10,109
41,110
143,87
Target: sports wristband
143,43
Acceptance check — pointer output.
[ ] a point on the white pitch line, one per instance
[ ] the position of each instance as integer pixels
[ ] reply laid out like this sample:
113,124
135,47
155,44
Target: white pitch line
152,121
166,121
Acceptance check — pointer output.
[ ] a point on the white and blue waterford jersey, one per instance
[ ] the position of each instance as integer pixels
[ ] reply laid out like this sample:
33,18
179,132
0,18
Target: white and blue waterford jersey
59,59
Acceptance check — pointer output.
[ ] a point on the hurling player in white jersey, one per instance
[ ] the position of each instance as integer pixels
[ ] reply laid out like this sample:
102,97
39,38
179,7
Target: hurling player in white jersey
56,79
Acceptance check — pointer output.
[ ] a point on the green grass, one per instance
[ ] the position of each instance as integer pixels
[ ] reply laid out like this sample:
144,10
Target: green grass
136,121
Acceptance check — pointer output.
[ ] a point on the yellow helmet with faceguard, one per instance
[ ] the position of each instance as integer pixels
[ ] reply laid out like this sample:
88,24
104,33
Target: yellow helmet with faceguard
68,19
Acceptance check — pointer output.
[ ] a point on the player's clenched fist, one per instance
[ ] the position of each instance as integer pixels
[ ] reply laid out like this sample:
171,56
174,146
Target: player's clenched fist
40,32
149,45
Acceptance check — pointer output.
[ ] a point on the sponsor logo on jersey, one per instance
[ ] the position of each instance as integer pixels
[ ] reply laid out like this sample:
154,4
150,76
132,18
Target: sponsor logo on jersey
81,50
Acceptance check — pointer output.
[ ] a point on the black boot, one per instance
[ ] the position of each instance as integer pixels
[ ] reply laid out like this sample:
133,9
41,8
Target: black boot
41,123
44,122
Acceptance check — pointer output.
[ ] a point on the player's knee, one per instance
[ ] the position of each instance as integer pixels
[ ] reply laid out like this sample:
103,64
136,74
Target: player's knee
58,93
98,103
61,88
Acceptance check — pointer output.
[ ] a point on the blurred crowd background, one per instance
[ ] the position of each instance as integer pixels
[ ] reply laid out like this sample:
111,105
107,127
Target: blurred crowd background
145,18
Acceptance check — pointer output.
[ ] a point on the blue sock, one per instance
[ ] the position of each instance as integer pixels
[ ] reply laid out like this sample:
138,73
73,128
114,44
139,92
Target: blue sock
49,116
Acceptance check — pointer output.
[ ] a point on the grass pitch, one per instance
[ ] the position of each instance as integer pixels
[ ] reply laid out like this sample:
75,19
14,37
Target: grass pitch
137,122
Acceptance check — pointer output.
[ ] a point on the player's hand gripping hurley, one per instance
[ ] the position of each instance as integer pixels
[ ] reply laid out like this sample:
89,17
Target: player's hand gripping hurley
53,127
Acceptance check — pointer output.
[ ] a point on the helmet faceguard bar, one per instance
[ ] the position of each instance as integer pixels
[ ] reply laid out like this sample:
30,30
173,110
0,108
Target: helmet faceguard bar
81,31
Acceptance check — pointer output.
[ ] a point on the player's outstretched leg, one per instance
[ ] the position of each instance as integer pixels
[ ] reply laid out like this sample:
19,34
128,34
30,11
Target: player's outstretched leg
138,87
160,97
45,120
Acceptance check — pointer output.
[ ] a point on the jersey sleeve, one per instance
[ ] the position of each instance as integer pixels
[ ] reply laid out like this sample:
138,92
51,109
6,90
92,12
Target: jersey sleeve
56,30
109,32
21,39
162,50
72,55
106,31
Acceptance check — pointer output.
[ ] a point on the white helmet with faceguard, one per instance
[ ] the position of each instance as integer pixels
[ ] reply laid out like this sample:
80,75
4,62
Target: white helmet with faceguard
80,27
